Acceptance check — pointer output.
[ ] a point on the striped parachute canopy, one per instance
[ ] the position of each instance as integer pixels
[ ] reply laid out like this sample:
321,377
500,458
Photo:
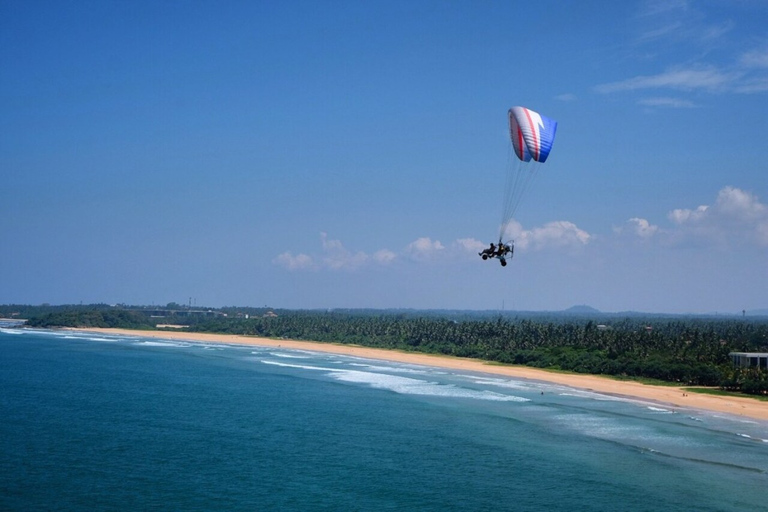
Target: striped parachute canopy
532,134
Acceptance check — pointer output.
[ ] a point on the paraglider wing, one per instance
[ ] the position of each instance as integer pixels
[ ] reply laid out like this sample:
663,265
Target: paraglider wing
532,134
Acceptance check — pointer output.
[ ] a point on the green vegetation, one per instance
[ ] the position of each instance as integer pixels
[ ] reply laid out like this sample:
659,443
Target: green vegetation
93,316
680,350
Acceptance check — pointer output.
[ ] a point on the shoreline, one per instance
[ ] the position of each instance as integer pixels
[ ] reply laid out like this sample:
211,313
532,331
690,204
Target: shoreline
675,396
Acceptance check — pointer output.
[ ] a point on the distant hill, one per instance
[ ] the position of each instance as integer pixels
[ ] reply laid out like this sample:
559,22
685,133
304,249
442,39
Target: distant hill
581,310
757,312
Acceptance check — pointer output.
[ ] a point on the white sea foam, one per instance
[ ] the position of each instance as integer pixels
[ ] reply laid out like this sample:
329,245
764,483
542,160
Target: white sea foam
287,356
512,384
609,398
52,333
753,438
395,369
594,395
632,434
11,331
162,344
616,430
409,386
404,385
205,346
86,337
502,383
565,391
69,334
299,366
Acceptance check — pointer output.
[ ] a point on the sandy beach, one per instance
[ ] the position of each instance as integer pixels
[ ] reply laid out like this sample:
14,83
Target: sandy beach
670,395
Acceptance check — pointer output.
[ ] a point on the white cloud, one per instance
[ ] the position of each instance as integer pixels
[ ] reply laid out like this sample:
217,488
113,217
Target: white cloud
681,216
566,97
665,21
291,262
470,245
740,204
683,31
755,59
686,79
557,234
336,256
662,7
641,227
762,233
514,230
714,32
752,86
735,217
660,32
746,77
384,256
667,102
731,203
424,248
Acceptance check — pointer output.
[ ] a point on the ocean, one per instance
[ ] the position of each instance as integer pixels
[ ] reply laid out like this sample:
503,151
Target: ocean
97,422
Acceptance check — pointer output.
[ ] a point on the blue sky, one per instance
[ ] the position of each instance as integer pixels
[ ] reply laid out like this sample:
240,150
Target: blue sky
353,154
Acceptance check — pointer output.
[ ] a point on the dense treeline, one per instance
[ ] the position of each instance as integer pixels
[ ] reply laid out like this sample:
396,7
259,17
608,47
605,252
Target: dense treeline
685,350
28,311
117,318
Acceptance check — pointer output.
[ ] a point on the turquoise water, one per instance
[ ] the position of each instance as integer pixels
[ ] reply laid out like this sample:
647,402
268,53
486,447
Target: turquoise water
126,423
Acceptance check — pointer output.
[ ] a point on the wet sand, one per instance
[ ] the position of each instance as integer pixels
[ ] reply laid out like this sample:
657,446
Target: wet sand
670,395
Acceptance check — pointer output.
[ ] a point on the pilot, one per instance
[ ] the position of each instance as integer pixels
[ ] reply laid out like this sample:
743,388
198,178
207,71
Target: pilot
491,251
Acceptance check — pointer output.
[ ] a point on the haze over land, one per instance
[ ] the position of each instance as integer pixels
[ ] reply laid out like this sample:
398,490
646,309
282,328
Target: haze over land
303,156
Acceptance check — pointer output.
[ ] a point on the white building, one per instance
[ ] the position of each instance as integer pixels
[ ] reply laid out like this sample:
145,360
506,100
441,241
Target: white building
750,359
